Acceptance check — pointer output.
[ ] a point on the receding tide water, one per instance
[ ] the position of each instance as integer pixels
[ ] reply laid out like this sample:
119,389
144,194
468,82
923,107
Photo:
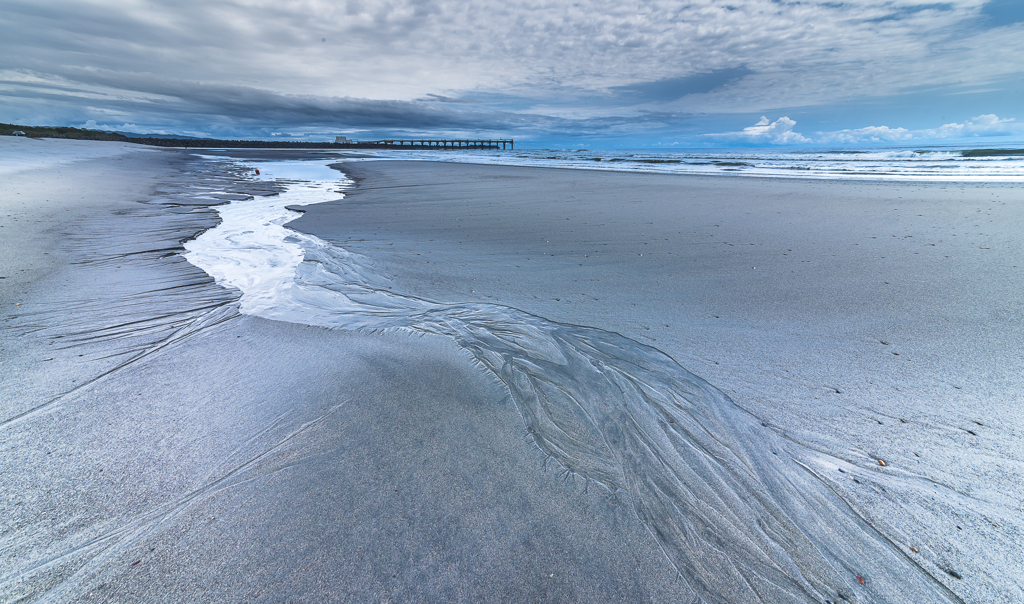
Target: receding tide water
743,513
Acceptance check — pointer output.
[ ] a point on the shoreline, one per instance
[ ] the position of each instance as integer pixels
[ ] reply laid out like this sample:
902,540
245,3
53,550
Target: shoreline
798,166
312,365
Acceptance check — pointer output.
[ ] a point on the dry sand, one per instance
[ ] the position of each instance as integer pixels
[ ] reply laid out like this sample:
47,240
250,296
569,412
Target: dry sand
239,459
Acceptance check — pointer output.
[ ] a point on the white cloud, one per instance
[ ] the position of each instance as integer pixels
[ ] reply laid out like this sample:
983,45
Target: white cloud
92,125
126,127
982,125
873,134
779,132
797,52
560,60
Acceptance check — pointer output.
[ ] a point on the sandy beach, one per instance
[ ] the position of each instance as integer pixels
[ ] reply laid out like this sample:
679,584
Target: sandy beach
157,444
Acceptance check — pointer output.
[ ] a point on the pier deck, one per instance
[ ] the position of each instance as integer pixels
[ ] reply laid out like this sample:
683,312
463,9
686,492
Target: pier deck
434,143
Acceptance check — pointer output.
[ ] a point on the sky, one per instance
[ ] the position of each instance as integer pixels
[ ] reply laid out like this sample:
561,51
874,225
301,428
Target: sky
594,73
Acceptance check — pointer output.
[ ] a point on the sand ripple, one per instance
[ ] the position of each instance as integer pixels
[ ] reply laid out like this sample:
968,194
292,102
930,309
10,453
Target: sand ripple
734,505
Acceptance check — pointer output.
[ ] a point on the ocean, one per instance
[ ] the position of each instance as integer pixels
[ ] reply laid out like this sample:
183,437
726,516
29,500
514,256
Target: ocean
976,163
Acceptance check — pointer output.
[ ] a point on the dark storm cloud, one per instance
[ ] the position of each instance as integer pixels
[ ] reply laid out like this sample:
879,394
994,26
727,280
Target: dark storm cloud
440,98
905,11
676,88
230,109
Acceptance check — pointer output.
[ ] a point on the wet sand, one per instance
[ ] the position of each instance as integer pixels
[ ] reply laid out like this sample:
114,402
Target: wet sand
218,457
869,320
242,459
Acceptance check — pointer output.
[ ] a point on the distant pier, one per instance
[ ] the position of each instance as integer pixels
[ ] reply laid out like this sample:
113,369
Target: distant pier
340,143
434,143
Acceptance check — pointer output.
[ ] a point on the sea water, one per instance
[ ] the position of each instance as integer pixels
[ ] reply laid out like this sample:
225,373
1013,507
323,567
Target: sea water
884,163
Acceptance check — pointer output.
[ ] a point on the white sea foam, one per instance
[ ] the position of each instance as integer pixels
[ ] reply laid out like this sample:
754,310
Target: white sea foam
251,250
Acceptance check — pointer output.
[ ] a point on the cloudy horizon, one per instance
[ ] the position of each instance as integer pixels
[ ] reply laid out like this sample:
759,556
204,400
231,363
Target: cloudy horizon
594,73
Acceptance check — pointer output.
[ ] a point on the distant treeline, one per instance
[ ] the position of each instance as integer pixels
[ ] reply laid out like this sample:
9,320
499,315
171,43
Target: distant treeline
202,143
207,143
99,135
62,132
